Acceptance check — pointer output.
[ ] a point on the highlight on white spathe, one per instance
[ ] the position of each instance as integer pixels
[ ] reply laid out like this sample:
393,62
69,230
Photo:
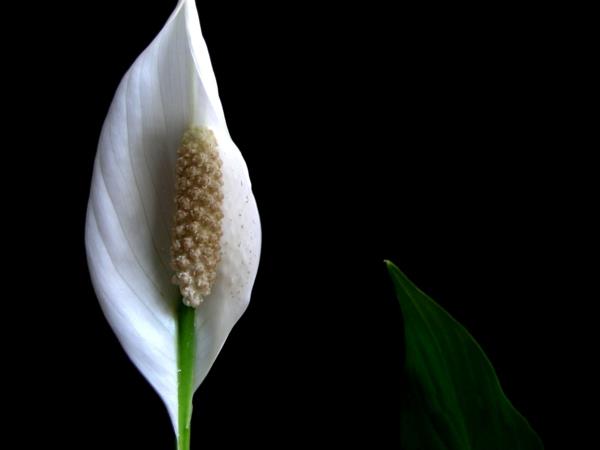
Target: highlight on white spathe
170,88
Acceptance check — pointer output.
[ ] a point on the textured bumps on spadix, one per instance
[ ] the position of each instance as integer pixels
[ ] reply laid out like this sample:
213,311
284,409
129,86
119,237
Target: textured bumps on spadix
197,226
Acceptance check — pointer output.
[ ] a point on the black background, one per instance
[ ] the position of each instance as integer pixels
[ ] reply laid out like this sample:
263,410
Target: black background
371,132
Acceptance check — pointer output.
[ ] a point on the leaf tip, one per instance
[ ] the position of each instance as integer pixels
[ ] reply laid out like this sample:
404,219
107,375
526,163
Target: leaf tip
393,270
389,265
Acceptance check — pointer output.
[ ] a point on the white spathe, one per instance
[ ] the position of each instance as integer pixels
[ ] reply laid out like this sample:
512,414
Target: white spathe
170,87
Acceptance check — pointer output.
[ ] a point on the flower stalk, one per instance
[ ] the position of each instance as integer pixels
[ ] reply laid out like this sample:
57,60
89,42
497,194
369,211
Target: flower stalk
186,345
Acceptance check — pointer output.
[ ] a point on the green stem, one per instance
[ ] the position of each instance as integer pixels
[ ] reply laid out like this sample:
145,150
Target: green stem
186,348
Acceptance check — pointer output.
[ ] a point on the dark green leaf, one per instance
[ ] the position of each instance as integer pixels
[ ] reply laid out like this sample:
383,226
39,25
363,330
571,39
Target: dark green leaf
453,400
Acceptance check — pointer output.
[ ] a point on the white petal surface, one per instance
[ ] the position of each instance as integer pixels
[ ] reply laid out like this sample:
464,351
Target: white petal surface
169,87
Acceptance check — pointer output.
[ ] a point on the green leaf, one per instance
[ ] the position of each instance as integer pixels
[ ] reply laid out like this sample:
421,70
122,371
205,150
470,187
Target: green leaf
186,349
453,400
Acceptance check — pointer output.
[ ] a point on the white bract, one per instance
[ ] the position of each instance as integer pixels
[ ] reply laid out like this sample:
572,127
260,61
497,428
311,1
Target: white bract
170,88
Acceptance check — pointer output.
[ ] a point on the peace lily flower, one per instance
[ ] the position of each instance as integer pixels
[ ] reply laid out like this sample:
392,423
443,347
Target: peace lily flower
171,217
